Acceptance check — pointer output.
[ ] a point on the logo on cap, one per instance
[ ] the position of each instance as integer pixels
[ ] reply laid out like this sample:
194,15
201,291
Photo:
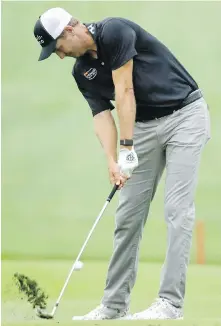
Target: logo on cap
40,39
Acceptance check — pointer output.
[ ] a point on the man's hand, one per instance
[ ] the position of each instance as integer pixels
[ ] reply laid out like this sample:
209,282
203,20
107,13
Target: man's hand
127,161
116,177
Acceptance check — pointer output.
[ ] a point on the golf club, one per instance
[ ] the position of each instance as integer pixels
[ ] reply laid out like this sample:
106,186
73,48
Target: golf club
43,313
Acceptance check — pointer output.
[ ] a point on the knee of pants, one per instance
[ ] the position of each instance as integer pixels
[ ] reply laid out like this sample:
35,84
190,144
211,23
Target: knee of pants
126,220
134,202
180,216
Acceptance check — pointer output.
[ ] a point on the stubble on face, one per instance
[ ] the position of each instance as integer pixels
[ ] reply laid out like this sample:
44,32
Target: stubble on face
76,43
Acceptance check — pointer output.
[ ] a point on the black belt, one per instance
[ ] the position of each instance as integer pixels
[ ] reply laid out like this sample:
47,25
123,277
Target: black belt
192,97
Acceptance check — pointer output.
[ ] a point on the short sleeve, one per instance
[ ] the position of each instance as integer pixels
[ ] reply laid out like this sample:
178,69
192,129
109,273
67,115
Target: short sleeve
119,42
97,104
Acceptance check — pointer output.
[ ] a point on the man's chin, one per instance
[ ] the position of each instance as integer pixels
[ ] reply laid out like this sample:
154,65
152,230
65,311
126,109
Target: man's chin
80,54
76,55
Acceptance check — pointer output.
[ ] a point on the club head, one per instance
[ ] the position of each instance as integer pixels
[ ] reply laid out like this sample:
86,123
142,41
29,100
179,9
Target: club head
44,314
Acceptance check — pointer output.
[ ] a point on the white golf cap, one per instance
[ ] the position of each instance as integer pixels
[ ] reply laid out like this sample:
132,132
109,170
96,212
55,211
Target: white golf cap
48,28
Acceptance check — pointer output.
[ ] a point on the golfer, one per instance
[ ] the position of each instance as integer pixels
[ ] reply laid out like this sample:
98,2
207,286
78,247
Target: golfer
163,123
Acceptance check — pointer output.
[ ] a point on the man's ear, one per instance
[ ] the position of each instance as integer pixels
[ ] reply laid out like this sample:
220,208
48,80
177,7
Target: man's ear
68,29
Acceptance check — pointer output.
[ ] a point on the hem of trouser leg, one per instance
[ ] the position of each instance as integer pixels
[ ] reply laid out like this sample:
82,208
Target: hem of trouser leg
175,305
114,306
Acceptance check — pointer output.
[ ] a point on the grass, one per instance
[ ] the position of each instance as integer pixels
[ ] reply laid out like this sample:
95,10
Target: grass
202,305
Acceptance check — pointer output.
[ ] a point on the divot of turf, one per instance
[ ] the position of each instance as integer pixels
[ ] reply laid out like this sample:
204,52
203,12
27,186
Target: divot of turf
30,288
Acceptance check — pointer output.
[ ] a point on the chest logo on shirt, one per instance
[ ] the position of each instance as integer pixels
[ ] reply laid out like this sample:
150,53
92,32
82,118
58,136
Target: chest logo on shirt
91,73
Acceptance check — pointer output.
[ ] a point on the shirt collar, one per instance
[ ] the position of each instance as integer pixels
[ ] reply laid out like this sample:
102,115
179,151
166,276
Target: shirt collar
93,30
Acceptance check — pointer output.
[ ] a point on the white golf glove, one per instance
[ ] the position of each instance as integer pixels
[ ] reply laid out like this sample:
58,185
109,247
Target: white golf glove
127,161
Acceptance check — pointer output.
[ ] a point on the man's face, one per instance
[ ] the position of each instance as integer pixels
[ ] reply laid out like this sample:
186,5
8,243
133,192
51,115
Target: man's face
74,43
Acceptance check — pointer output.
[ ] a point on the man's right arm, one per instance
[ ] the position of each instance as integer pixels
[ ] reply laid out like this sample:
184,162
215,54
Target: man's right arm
104,124
106,131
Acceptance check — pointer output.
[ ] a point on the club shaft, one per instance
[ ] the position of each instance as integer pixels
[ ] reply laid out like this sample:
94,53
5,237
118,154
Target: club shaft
79,255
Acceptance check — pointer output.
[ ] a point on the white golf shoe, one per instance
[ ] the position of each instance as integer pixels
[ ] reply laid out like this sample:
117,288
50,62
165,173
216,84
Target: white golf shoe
160,309
102,312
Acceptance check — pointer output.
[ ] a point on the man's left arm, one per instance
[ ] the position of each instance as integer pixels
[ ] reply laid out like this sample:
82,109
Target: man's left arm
125,99
119,40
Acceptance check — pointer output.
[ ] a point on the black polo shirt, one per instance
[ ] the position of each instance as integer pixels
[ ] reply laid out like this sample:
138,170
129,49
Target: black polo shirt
160,82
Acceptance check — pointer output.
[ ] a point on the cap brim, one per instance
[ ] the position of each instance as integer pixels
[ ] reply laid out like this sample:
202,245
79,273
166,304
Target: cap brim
47,51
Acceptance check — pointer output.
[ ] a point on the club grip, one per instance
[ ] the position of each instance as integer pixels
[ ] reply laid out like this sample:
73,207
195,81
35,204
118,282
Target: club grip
112,193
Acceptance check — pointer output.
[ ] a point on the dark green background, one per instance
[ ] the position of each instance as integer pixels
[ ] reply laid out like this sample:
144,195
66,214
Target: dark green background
54,176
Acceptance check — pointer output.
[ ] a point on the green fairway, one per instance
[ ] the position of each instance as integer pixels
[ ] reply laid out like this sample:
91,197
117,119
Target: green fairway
203,300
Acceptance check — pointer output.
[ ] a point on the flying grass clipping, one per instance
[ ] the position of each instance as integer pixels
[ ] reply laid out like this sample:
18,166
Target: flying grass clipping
31,290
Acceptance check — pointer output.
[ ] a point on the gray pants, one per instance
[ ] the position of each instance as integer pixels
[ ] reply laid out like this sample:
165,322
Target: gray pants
175,142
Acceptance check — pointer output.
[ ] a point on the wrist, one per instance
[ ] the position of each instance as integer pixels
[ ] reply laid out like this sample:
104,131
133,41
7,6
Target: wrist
111,159
129,148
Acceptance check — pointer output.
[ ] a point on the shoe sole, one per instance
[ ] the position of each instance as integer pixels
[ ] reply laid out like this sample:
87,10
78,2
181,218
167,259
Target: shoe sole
128,317
134,318
78,318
